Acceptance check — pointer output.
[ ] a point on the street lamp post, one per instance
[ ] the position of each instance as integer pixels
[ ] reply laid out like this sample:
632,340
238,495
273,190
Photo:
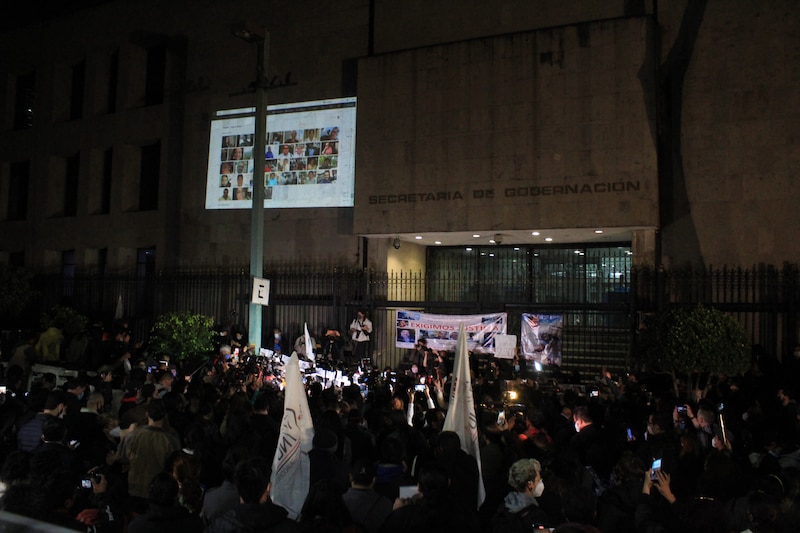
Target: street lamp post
257,194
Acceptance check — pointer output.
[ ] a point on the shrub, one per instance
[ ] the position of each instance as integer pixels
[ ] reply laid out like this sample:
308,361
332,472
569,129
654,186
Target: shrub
182,336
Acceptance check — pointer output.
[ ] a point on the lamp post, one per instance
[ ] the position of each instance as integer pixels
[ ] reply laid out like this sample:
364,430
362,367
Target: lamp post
257,194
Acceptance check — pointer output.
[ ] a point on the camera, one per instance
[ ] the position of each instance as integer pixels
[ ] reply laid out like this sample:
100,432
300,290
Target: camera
681,409
95,474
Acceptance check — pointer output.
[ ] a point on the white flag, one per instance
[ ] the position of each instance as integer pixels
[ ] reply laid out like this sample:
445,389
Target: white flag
461,417
291,469
309,346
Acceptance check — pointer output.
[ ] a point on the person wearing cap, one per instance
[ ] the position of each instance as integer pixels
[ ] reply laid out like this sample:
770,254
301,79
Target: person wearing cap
147,450
366,506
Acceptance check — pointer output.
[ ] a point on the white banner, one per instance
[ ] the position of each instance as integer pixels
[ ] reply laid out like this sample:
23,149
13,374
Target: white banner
442,331
291,469
541,338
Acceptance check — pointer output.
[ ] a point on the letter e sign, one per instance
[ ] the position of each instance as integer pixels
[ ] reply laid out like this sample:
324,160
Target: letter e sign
260,291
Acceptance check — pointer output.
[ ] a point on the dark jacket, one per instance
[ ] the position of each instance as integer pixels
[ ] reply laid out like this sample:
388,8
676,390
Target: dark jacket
252,517
29,435
161,519
424,517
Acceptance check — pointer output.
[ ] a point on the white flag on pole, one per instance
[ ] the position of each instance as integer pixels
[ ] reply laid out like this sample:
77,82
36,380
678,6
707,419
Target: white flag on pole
461,417
310,355
291,469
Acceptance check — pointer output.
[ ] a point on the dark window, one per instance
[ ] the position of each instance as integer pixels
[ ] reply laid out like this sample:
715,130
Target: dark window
19,178
71,186
102,261
76,97
113,81
148,181
156,75
23,105
105,192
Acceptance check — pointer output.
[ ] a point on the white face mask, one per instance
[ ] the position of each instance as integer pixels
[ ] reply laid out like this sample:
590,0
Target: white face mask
539,489
577,428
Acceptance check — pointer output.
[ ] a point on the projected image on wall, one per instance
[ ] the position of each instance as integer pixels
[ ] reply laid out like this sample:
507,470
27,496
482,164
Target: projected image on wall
309,160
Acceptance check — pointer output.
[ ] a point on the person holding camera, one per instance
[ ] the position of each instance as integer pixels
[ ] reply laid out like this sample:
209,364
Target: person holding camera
103,503
360,331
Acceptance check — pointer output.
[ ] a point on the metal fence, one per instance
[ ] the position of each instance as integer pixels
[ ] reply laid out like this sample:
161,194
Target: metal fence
764,298
600,314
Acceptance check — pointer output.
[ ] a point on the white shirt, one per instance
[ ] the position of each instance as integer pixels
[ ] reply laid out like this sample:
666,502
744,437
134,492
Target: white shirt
361,330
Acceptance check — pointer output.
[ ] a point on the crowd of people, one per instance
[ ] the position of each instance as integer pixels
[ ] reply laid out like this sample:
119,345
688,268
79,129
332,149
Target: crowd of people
142,444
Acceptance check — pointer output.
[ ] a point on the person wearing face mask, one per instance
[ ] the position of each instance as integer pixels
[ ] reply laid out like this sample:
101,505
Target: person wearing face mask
592,447
520,511
277,344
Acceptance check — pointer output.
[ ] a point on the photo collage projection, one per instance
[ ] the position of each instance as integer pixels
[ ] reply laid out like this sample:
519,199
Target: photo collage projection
308,164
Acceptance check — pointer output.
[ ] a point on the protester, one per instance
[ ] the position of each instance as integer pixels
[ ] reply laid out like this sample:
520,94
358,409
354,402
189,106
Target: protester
572,461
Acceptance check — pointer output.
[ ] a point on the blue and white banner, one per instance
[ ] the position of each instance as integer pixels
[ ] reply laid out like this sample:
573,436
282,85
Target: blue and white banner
442,331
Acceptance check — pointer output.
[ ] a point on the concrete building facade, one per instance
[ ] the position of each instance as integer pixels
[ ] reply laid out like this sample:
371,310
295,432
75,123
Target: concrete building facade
673,127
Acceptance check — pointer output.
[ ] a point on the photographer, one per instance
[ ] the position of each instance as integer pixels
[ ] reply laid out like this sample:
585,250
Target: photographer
360,331
103,508
420,355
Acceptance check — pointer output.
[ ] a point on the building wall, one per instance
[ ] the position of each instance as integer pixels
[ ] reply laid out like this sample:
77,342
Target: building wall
740,138
207,69
466,97
538,130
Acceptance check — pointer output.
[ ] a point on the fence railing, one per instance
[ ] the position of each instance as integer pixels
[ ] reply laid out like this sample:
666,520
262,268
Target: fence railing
600,316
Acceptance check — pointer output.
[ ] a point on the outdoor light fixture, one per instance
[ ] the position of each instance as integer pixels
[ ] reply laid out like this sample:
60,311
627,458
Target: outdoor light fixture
396,243
498,239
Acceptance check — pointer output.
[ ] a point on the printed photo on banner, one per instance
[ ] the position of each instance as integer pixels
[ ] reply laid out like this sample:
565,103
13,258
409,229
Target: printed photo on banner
541,338
441,331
